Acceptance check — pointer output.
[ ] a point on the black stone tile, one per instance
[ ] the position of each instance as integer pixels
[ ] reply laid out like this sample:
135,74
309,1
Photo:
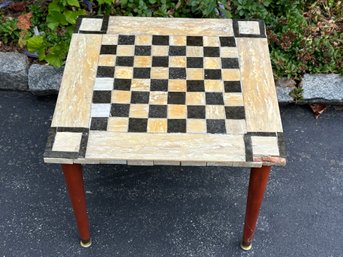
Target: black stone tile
195,62
195,86
160,61
213,74
214,99
216,126
210,51
143,50
177,126
138,125
122,84
141,73
159,85
177,50
177,73
139,97
227,41
126,40
160,40
176,97
232,86
120,110
102,97
194,41
196,112
108,49
235,112
105,72
124,61
99,123
230,63
158,111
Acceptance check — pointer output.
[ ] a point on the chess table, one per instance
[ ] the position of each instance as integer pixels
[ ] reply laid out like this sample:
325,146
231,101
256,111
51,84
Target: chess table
167,91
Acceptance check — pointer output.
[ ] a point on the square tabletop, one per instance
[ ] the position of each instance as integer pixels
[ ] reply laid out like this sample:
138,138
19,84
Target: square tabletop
167,91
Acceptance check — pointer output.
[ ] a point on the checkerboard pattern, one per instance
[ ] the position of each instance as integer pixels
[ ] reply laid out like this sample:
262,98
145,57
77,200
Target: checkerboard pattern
167,84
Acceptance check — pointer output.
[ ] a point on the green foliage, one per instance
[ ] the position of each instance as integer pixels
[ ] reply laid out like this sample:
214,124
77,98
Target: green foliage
9,31
305,36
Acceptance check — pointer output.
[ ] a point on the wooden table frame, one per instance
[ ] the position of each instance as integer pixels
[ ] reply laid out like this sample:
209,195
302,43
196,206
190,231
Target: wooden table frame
215,84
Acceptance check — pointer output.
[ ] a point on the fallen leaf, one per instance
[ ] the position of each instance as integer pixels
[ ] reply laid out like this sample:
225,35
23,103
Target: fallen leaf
18,7
318,109
24,21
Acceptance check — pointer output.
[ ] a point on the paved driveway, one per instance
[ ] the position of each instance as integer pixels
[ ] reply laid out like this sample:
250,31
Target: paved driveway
170,211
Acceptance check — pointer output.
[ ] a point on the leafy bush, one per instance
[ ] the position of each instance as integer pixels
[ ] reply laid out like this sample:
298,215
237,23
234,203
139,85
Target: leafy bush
304,35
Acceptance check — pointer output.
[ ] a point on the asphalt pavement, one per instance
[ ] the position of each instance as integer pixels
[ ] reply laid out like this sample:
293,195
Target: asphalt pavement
170,211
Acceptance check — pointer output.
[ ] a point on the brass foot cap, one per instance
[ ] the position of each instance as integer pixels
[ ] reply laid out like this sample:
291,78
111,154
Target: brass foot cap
246,248
86,244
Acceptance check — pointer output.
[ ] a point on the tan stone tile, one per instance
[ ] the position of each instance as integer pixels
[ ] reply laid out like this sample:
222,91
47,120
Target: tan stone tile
194,51
231,74
177,61
177,85
195,74
178,40
110,39
142,61
125,50
195,98
157,97
228,52
233,99
157,125
212,63
177,111
235,127
107,60
196,126
159,73
215,112
139,110
214,85
211,41
121,96
143,40
159,50
117,124
123,72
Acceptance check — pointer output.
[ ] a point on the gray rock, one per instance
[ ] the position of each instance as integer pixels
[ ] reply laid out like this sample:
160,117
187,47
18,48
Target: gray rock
44,79
323,88
283,88
13,71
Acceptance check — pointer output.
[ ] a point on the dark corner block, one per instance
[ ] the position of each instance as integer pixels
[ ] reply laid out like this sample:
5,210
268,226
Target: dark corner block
227,41
177,50
194,41
176,97
138,125
143,50
141,73
177,73
159,85
195,62
102,96
195,86
139,97
214,98
99,123
108,49
196,112
213,74
105,72
160,61
210,51
262,33
216,126
120,110
160,40
235,112
126,40
158,111
176,125
232,86
122,84
230,63
124,61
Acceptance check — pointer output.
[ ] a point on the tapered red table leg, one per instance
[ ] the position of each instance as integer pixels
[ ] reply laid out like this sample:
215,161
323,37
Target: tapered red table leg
257,185
74,181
